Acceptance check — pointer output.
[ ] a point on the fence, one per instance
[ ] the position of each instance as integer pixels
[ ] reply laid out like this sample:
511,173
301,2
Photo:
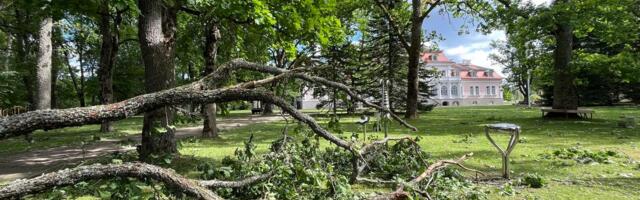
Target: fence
12,111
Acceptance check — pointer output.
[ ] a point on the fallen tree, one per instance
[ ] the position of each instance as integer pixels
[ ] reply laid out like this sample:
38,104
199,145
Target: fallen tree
142,171
203,91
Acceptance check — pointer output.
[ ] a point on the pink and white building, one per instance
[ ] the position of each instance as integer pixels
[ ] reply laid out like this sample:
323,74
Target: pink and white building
462,83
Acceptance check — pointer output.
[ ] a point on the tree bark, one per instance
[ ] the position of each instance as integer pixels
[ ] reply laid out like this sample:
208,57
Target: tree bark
108,52
43,72
141,171
157,26
564,90
414,60
212,36
80,88
55,68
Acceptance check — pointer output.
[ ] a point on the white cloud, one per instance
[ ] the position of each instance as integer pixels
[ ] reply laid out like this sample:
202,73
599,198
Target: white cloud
539,2
478,50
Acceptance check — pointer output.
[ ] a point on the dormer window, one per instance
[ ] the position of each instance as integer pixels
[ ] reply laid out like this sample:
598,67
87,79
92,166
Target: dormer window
488,73
472,73
434,57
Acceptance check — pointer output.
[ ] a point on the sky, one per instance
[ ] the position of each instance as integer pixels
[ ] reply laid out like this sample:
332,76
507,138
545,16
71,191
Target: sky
473,45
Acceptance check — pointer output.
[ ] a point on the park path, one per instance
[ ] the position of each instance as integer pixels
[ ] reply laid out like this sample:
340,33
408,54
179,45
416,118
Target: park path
29,164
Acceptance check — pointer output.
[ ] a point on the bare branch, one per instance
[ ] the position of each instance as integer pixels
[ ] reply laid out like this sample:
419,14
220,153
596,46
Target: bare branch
141,171
431,7
399,193
235,184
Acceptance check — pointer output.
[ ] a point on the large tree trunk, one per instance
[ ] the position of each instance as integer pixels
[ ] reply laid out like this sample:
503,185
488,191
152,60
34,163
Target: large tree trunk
156,33
414,62
43,72
564,90
212,36
108,53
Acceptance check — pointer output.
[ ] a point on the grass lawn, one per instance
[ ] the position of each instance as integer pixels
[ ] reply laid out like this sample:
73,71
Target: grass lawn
451,132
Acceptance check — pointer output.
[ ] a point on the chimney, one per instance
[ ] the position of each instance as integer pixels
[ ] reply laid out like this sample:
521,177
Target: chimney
466,62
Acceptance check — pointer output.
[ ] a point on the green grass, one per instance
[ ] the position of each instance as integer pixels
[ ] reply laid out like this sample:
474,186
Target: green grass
443,134
451,132
69,137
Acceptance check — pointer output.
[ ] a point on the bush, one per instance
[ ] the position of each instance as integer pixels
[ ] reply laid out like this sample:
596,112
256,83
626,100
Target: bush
533,180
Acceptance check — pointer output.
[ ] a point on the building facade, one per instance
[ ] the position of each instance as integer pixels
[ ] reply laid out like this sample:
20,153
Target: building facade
462,83
459,84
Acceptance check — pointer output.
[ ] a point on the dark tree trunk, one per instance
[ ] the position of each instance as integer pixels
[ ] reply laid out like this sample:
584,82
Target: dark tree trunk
414,62
212,36
564,90
157,26
43,72
55,68
279,58
80,89
267,108
108,52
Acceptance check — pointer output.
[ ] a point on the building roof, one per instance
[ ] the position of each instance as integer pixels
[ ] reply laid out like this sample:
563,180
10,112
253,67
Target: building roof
465,66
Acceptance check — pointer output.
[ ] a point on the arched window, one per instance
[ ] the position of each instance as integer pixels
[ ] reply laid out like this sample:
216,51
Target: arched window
477,91
493,90
454,90
471,91
444,91
488,91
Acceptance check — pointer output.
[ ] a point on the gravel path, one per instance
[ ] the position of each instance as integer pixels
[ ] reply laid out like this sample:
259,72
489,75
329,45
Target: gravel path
32,163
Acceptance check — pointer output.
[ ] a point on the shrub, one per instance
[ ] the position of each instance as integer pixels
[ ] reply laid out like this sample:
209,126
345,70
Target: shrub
533,180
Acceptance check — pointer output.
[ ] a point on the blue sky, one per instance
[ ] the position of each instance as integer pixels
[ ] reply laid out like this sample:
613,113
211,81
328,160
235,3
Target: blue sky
474,46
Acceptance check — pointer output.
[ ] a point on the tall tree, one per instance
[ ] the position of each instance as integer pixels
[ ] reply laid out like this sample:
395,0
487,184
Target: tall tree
212,36
419,11
156,32
560,24
43,72
564,90
108,51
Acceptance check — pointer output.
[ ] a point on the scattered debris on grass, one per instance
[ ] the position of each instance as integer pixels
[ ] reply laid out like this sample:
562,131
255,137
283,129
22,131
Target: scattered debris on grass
466,138
581,156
